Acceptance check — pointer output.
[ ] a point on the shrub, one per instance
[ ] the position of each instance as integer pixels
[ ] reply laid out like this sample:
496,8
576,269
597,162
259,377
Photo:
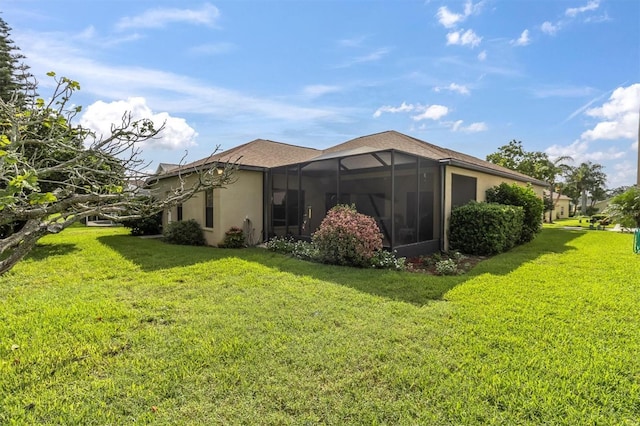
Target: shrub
625,208
346,237
150,225
186,232
447,267
484,228
297,248
233,238
281,245
523,196
384,259
591,210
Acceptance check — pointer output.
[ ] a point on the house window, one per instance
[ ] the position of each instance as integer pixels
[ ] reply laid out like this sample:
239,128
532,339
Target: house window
179,212
463,190
208,209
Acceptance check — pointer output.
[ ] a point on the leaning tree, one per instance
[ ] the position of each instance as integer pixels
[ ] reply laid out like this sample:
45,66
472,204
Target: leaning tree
54,172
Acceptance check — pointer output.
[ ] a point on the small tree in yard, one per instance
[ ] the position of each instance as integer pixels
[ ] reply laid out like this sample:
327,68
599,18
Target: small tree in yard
54,173
346,237
625,208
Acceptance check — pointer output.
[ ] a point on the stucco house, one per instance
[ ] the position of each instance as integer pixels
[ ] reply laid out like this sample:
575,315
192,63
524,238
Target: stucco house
562,205
409,186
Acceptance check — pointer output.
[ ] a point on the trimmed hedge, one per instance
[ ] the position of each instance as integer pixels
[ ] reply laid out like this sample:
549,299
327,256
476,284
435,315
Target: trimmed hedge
485,228
525,197
186,232
149,225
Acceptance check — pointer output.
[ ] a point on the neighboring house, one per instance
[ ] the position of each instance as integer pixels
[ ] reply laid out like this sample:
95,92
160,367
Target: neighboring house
601,205
562,205
409,186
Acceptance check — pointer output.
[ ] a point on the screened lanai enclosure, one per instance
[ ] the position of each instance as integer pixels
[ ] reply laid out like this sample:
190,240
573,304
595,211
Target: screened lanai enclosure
401,191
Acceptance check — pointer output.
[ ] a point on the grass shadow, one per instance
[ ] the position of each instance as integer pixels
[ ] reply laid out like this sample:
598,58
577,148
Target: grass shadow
44,251
548,241
414,288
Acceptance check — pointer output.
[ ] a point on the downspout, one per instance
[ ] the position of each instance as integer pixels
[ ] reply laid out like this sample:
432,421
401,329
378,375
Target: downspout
266,207
443,199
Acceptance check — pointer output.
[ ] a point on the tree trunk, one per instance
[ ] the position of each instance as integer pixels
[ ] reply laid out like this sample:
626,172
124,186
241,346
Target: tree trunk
21,243
583,208
552,204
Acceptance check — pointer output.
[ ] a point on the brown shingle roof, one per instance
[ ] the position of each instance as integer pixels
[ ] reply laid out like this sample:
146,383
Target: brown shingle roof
259,153
262,153
401,142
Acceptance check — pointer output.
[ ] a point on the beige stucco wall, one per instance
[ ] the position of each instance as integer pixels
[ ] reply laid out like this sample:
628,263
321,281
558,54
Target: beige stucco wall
561,208
232,206
484,181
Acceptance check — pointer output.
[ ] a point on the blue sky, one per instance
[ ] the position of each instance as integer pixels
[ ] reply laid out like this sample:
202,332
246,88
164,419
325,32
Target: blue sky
561,76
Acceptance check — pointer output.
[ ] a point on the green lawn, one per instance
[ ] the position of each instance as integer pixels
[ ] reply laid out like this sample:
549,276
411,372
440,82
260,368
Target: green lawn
97,327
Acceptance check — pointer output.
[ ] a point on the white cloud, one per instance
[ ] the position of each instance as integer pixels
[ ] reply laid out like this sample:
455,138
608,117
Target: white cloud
625,173
374,56
176,134
620,115
579,152
175,93
482,55
212,49
458,88
591,5
432,112
562,92
317,90
549,28
523,40
160,17
352,42
425,112
449,19
404,107
463,38
457,126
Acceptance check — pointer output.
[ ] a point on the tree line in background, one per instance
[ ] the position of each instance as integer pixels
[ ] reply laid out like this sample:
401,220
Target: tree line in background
585,183
54,172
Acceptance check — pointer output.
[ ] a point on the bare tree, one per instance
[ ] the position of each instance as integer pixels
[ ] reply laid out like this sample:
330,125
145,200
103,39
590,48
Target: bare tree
54,173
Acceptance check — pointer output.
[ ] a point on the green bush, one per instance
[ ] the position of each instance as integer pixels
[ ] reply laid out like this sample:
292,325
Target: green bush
233,238
484,228
625,208
186,232
384,259
447,267
150,225
525,197
346,237
284,245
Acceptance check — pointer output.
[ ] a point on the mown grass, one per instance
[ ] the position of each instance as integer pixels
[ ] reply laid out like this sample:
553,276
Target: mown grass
100,328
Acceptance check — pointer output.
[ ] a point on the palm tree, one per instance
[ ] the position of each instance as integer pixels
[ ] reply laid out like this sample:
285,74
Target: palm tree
587,177
553,169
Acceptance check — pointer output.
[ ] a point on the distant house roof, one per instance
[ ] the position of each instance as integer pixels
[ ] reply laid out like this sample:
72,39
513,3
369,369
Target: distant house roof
556,196
166,167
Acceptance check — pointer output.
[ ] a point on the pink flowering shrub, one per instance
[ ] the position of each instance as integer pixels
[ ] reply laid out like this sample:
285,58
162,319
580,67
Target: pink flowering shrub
346,237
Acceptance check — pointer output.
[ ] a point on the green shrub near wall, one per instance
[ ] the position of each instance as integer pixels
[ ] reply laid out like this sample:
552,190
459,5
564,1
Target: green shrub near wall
148,225
186,232
525,197
485,228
